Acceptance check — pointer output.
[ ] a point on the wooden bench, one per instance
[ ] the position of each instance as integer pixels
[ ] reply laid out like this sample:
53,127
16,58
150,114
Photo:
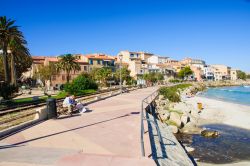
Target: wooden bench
60,109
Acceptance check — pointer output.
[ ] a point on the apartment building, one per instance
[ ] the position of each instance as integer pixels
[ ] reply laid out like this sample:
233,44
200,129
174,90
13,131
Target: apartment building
99,60
208,72
59,78
176,65
154,59
221,72
137,62
233,74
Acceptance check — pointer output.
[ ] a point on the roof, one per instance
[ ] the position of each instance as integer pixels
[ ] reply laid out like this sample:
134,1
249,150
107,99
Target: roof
38,57
100,56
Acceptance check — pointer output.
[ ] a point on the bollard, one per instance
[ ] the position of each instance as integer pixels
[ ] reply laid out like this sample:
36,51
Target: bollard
199,106
51,108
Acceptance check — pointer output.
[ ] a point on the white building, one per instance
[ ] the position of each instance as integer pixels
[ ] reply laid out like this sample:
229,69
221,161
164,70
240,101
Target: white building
208,72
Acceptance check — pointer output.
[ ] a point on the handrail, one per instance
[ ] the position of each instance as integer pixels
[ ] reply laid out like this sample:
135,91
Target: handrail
145,100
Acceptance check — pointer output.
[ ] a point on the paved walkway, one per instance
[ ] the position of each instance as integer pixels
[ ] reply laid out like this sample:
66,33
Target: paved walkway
108,135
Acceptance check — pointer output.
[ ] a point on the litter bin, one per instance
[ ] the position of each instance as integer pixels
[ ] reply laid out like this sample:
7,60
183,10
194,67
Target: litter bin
199,105
51,108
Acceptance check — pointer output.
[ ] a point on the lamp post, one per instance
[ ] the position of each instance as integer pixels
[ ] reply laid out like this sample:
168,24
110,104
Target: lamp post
120,58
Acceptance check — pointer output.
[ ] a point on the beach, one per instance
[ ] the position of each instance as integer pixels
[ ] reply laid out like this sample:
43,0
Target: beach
217,112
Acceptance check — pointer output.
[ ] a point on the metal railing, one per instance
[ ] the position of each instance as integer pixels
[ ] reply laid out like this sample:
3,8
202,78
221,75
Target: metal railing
148,100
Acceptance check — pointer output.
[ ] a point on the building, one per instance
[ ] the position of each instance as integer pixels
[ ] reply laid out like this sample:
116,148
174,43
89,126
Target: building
154,59
99,60
197,66
208,73
174,64
137,62
233,74
221,72
59,78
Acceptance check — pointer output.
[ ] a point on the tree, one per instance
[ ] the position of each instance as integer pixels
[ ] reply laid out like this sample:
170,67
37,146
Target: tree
241,75
125,74
185,72
101,74
153,77
159,77
248,76
8,32
45,73
67,63
19,53
79,84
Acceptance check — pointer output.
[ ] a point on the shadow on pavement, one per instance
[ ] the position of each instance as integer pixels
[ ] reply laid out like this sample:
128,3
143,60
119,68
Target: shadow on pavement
61,132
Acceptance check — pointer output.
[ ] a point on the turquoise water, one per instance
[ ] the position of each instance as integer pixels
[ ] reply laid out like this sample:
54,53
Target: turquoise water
236,94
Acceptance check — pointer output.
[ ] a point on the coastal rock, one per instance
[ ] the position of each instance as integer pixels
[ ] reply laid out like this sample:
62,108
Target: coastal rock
165,116
161,97
175,117
194,113
185,119
191,128
210,133
173,129
189,149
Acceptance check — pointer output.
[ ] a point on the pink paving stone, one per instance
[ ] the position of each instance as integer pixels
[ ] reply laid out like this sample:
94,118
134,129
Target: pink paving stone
18,138
113,125
102,160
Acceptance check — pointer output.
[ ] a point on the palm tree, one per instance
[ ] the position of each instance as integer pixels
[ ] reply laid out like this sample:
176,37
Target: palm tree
18,51
8,32
68,63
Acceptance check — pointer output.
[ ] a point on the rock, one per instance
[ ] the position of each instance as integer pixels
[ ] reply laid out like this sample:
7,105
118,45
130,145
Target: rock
210,133
165,116
185,119
189,149
161,97
191,128
175,117
173,129
194,113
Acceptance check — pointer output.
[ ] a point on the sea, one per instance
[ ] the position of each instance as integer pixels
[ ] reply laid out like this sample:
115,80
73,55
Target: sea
235,94
233,143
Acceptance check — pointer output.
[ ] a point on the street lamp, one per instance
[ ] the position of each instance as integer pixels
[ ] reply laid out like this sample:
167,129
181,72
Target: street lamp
120,58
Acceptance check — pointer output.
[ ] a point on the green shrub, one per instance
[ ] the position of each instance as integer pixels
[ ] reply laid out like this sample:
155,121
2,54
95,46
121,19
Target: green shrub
172,93
80,84
174,81
6,91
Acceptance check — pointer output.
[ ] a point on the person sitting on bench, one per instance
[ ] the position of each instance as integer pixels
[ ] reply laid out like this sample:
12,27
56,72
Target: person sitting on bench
70,103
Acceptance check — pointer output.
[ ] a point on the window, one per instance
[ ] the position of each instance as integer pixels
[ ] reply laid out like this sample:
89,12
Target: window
53,77
85,68
98,62
91,61
132,55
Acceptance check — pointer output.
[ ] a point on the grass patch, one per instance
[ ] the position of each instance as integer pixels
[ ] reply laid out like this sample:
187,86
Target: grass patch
31,100
170,122
176,111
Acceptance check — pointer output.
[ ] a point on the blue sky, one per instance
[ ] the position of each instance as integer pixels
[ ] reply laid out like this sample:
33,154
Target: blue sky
217,31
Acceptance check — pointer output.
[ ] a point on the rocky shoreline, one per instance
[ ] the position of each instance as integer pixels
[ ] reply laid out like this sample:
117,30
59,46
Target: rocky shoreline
180,117
188,119
226,83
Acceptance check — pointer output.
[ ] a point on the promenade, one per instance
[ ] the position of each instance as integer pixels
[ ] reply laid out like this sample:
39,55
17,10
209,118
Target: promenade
107,135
